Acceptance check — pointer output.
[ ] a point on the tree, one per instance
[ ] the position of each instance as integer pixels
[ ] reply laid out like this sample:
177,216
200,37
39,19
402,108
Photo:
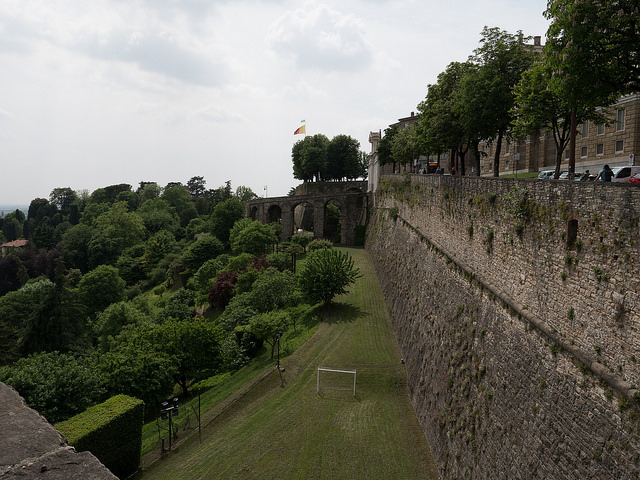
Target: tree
267,326
326,273
124,228
405,146
136,367
15,309
222,291
225,215
343,158
441,113
385,155
157,247
274,290
582,60
111,321
244,194
539,107
193,346
310,158
204,278
100,288
252,237
58,386
205,248
62,198
57,322
157,215
502,59
603,37
196,186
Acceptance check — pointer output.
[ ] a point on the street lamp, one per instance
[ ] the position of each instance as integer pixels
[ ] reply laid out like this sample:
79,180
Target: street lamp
167,411
278,336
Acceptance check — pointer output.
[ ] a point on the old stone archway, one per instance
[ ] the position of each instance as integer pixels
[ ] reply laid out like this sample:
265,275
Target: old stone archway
308,207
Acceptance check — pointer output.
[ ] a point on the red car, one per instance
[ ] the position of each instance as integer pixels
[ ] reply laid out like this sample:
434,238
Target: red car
635,178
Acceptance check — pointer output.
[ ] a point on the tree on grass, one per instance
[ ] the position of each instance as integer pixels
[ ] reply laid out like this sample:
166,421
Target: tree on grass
267,326
252,236
325,274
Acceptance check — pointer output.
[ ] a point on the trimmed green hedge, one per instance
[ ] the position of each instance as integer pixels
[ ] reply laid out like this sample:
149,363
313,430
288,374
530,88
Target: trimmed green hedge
112,431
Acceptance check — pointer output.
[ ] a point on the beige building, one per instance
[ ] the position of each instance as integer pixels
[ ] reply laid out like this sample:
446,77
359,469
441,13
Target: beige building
616,144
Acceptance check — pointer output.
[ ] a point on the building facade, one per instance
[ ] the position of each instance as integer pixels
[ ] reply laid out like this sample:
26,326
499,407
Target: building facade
615,144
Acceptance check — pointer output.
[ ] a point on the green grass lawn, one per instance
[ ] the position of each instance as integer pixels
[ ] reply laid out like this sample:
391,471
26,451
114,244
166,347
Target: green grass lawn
282,429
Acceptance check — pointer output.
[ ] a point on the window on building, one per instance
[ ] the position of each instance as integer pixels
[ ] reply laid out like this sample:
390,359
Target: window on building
583,152
566,154
585,129
507,147
620,119
600,129
600,149
619,146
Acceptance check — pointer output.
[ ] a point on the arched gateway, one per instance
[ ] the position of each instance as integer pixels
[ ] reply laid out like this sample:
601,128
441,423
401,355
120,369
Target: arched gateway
335,208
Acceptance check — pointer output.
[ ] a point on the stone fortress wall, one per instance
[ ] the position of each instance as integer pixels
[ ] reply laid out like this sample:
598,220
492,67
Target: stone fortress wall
516,306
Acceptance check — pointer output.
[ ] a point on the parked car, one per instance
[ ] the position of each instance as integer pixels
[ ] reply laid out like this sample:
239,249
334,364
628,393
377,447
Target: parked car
623,174
545,174
576,176
635,178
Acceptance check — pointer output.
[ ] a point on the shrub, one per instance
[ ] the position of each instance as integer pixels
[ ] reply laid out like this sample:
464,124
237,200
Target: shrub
112,431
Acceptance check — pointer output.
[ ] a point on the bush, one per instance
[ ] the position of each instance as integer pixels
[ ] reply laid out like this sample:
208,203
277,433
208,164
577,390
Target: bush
319,244
112,431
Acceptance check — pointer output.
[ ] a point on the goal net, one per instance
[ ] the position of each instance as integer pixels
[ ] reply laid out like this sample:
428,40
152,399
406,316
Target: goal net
334,379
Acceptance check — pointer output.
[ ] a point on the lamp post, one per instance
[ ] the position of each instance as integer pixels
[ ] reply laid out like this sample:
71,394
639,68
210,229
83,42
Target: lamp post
278,336
167,411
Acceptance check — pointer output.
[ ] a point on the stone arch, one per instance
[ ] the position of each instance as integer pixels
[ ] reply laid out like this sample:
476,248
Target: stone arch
303,216
333,215
274,214
253,213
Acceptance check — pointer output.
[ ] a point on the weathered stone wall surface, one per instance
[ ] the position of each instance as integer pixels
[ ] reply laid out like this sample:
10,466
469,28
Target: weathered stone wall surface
30,448
515,304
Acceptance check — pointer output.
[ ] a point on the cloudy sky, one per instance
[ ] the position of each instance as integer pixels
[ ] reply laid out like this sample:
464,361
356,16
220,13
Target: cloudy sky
100,92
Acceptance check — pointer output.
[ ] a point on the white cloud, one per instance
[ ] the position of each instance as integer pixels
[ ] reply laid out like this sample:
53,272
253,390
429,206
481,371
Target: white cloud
318,37
119,91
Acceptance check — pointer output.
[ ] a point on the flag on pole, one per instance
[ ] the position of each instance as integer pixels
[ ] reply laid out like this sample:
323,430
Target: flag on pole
301,130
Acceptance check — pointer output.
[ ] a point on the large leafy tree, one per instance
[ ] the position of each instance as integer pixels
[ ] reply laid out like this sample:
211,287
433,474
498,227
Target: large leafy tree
15,309
326,273
310,158
442,110
538,106
62,198
385,154
225,215
205,248
57,322
75,246
343,158
406,145
58,386
124,228
501,59
582,60
600,38
192,345
268,326
196,186
244,194
252,237
100,288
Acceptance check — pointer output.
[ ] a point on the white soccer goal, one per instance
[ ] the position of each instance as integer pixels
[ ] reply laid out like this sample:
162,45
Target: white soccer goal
333,379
